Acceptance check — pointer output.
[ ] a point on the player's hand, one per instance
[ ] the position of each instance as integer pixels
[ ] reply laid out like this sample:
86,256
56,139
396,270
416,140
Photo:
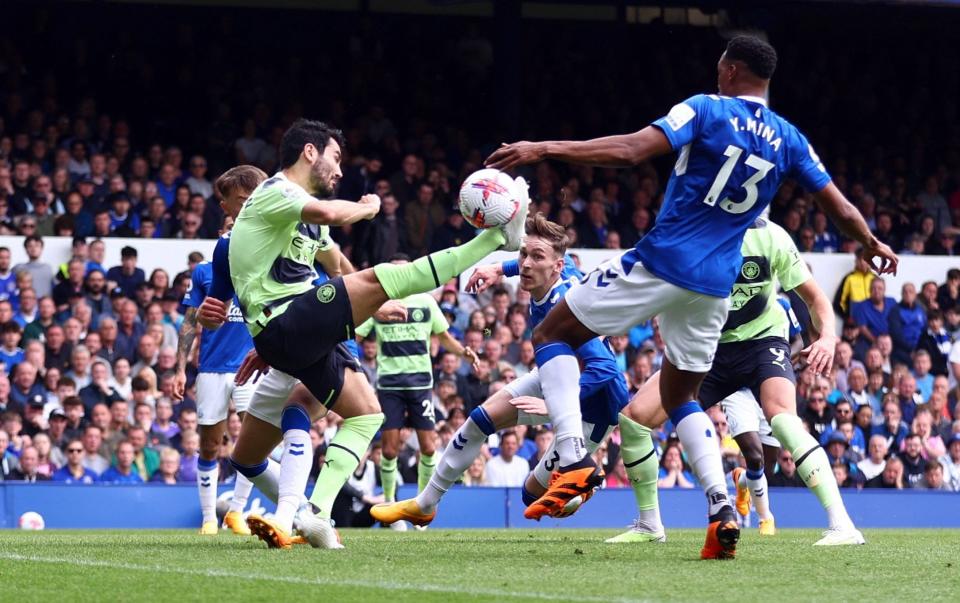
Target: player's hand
372,202
391,311
471,356
484,277
514,154
888,260
819,354
179,385
253,365
530,405
212,313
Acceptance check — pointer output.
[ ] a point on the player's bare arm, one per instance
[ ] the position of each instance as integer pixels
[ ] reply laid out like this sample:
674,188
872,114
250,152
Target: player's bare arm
340,213
450,343
819,354
188,334
851,223
332,261
622,150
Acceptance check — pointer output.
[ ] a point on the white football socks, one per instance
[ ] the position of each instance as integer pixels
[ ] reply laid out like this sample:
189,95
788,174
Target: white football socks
463,448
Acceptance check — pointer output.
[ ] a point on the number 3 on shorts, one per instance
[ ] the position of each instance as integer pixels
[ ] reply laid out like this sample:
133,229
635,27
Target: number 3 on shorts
428,410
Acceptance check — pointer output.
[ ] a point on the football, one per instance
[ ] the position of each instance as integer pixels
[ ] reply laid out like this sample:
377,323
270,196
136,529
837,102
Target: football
488,198
31,520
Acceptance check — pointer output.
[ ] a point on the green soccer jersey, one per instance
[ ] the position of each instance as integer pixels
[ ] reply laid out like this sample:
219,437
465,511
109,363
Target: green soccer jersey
769,256
271,252
403,348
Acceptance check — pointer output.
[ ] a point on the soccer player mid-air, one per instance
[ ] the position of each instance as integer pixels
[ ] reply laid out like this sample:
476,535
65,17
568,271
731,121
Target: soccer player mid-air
548,274
733,154
221,353
298,327
405,380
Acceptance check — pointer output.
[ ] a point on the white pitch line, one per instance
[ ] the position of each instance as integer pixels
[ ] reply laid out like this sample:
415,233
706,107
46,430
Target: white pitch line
319,581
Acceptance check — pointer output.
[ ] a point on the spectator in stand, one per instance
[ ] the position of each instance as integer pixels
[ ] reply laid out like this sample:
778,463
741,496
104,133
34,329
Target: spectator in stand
423,217
127,276
922,375
27,470
818,415
872,316
40,271
478,384
11,354
190,441
855,286
891,476
123,471
948,294
74,413
876,459
906,323
951,463
913,462
908,397
27,310
129,332
74,471
931,443
892,429
92,445
936,342
933,478
674,472
146,460
507,469
169,470
843,364
70,287
197,181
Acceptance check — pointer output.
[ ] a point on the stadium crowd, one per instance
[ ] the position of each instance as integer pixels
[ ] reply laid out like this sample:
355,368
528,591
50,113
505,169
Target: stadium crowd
88,350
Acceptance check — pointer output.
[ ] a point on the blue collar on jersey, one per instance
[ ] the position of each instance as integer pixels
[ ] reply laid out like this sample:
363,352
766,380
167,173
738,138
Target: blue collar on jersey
546,298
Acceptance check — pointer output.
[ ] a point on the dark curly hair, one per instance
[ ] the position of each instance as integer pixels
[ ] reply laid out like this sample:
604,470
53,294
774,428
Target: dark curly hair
758,55
305,131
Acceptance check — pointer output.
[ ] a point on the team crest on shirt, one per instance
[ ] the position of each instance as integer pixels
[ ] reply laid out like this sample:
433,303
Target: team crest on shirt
750,270
326,293
417,315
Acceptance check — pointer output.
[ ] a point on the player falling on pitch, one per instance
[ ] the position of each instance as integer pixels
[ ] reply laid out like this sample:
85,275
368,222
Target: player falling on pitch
754,353
546,272
298,327
405,380
733,154
221,353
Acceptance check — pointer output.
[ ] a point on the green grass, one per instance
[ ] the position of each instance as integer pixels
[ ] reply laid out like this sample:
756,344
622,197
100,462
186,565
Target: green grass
468,565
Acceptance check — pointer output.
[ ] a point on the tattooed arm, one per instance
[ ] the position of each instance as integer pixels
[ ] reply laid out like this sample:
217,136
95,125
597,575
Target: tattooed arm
188,333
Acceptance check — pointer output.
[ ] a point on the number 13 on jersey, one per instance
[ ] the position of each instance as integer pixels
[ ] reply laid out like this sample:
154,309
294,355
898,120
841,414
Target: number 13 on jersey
733,154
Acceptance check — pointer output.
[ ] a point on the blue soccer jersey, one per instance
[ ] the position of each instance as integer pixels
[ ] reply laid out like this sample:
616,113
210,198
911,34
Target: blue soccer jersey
603,391
222,350
733,155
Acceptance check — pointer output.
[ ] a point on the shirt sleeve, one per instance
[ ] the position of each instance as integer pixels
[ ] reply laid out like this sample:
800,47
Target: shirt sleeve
221,287
364,329
510,268
438,322
326,241
789,267
683,123
282,203
806,166
198,287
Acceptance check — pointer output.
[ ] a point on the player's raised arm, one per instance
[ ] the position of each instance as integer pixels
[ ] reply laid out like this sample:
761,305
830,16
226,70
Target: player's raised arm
339,213
851,223
621,150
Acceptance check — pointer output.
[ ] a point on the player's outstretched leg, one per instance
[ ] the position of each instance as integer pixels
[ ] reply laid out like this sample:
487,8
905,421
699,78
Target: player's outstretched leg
640,459
369,289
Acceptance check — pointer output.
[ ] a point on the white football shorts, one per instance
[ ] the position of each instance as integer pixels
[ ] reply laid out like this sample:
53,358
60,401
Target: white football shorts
745,415
214,392
613,299
270,396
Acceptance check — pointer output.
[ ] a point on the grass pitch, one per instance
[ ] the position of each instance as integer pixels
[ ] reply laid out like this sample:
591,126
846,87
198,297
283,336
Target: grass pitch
475,565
